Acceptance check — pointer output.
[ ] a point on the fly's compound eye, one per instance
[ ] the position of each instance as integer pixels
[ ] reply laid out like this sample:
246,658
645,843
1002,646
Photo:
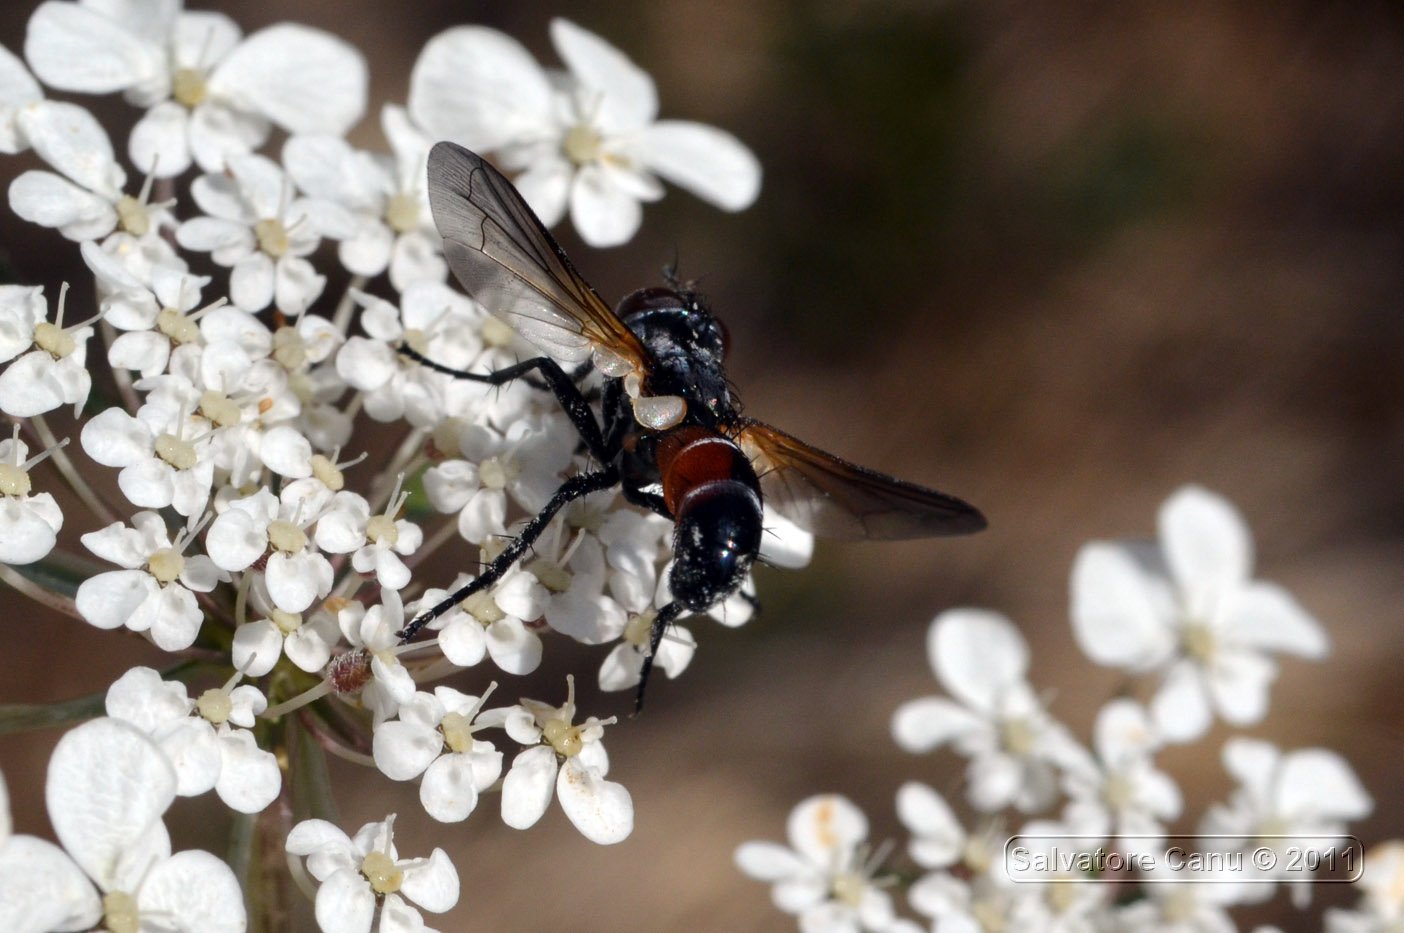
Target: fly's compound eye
725,336
656,298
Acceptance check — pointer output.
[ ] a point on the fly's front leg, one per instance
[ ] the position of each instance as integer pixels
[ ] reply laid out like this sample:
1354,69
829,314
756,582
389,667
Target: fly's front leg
666,617
556,381
574,488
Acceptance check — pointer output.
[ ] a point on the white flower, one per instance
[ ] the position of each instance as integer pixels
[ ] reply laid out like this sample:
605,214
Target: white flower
1193,614
822,876
388,195
207,740
479,626
209,94
18,89
588,139
357,874
159,467
157,313
572,759
155,591
373,665
1122,793
386,539
257,227
307,642
29,521
1307,795
999,723
85,201
435,736
436,322
55,371
107,789
525,464
1381,907
1199,903
295,573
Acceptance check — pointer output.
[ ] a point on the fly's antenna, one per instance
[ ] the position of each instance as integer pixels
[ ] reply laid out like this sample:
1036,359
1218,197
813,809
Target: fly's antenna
670,271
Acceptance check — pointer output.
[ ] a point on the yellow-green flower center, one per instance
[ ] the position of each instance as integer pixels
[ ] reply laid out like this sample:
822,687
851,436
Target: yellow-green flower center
132,216
188,87
458,732
381,530
272,237
288,347
165,565
14,481
286,537
219,408
402,212
178,453
177,327
215,706
380,870
582,144
53,340
120,913
326,471
564,737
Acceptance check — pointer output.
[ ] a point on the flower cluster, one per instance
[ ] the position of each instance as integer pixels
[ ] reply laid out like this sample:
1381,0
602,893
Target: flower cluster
1071,837
276,466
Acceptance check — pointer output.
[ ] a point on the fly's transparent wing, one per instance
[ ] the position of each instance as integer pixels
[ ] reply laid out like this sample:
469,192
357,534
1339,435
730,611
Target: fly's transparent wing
505,258
833,498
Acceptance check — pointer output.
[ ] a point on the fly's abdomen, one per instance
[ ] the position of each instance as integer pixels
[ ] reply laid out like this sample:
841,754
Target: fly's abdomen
712,492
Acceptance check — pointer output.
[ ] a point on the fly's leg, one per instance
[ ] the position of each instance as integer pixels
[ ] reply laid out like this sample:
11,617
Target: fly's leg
666,617
574,488
554,380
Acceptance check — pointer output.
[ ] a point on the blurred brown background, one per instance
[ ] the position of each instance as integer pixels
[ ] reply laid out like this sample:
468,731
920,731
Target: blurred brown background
1056,258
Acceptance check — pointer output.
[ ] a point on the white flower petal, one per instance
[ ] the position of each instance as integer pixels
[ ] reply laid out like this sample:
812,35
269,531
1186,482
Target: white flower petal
74,48
249,778
44,889
1206,543
72,140
1180,707
602,810
143,699
403,750
107,788
601,212
304,80
711,163
433,884
977,655
1118,610
479,88
768,861
1266,617
528,786
625,94
345,902
826,827
194,891
257,646
25,535
922,725
46,199
159,143
110,599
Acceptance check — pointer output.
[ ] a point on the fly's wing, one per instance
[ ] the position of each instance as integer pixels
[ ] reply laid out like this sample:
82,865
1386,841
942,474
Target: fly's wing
505,258
833,498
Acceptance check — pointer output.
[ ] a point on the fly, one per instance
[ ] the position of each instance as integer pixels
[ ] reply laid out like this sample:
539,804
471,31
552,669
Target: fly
669,433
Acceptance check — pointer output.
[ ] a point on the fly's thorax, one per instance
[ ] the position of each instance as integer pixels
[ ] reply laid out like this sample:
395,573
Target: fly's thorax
686,346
